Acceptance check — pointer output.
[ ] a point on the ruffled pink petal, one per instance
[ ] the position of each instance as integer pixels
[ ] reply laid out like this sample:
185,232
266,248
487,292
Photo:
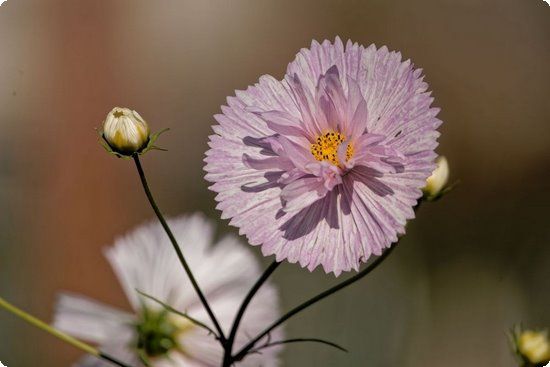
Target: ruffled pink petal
299,155
332,100
357,114
302,193
276,163
304,99
329,174
287,125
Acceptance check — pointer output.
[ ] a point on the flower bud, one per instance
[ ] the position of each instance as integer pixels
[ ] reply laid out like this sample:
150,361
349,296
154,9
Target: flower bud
437,181
534,346
125,131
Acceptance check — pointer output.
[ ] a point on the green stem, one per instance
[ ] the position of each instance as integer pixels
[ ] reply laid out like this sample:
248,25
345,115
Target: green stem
174,242
244,351
57,333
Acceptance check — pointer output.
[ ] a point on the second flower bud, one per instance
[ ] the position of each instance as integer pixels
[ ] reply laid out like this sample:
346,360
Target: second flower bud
125,131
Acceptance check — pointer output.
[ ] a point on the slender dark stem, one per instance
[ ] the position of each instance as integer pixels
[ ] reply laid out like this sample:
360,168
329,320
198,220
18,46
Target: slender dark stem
299,340
231,339
244,351
112,359
178,250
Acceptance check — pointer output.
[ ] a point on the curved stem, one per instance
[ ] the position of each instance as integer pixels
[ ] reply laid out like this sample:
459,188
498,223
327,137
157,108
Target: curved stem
174,242
231,339
243,352
58,334
299,340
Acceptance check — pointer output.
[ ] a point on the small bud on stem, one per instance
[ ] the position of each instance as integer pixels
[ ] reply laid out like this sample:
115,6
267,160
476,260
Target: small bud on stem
126,134
125,131
534,346
435,184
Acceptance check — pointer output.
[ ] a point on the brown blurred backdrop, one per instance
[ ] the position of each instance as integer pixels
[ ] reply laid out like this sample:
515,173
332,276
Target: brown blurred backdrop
471,266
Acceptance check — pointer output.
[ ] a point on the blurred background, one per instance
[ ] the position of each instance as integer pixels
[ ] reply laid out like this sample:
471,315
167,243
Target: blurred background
471,266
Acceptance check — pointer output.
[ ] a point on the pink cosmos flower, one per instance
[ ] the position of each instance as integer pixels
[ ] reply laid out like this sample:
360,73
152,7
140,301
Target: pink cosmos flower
325,166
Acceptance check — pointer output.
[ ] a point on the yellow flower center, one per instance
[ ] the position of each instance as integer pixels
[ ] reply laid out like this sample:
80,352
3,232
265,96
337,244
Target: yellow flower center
158,332
326,147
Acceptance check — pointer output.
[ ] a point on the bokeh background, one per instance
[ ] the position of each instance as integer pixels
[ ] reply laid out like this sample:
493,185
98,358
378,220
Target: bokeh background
471,266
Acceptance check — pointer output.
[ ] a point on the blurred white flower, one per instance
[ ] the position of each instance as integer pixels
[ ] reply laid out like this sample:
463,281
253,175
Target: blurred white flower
125,131
144,260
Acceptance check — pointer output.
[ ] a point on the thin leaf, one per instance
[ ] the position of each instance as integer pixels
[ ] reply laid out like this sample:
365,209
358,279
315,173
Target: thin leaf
143,358
151,143
182,314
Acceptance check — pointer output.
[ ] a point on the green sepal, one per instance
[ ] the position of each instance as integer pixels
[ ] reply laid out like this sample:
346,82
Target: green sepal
444,191
151,143
149,146
513,337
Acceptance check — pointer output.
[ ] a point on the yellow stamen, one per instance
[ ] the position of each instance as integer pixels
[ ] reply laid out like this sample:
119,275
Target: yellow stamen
326,148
